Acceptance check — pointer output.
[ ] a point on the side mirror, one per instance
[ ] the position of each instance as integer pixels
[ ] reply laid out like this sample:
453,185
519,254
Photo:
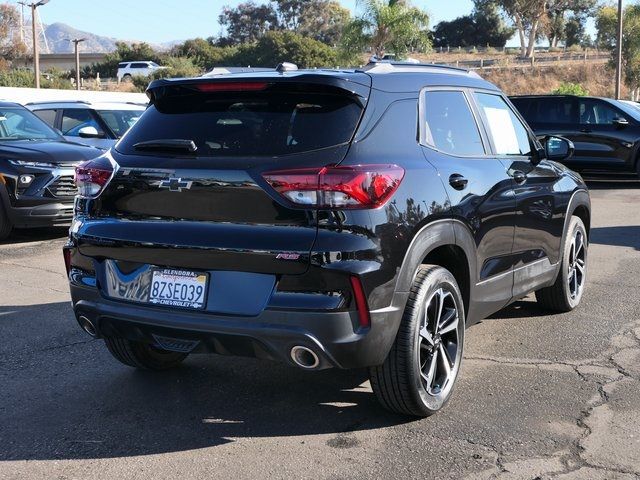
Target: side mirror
620,122
558,148
90,132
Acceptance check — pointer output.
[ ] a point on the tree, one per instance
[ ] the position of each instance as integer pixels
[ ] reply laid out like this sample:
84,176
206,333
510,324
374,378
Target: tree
483,27
284,46
246,23
323,20
531,16
394,25
557,22
575,32
607,27
606,23
202,52
10,44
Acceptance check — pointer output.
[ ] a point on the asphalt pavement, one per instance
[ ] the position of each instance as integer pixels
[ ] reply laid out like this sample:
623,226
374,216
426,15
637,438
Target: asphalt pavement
539,396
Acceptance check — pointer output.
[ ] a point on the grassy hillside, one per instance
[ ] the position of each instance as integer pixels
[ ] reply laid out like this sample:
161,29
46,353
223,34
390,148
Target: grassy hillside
598,80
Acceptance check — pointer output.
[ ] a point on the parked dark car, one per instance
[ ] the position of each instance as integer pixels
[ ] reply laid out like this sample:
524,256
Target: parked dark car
325,218
605,132
36,171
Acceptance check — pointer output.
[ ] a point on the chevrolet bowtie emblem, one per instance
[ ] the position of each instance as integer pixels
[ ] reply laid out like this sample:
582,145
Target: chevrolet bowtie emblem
176,184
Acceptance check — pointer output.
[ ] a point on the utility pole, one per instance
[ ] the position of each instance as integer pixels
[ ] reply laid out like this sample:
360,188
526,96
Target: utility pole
76,41
619,52
34,31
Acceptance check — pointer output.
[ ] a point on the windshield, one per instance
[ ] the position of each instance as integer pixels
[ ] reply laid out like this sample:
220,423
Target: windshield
119,121
265,123
632,110
20,124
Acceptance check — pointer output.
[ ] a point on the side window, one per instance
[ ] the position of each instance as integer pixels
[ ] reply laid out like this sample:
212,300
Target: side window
449,124
509,135
139,65
553,110
595,112
76,118
47,116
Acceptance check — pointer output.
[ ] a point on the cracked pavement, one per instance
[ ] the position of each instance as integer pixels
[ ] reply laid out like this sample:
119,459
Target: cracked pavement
540,396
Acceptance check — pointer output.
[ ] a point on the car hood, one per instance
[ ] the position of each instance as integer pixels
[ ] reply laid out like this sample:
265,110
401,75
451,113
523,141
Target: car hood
56,152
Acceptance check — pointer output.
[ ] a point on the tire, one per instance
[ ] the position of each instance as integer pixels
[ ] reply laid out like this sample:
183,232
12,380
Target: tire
413,380
5,224
565,294
143,355
126,78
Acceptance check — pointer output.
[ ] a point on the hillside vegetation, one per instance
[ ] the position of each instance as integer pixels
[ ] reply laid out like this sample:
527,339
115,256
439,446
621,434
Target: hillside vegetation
595,79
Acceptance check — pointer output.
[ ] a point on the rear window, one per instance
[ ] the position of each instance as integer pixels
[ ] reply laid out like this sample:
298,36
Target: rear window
548,110
236,124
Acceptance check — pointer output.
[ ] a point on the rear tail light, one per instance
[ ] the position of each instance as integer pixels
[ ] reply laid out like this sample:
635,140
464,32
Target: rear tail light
361,302
93,176
348,187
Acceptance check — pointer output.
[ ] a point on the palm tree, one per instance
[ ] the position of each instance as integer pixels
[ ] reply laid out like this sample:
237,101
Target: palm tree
383,25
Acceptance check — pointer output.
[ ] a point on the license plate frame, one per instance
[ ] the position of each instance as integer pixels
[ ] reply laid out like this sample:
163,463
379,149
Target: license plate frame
166,290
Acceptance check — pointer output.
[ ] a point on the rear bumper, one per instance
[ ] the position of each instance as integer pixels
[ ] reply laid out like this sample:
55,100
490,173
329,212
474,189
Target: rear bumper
333,335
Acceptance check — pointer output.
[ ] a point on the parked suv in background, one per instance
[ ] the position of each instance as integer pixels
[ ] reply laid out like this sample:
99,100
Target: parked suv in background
605,132
128,70
99,124
324,218
36,171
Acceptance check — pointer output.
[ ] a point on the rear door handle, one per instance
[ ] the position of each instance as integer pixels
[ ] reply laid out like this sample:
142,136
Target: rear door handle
458,181
519,177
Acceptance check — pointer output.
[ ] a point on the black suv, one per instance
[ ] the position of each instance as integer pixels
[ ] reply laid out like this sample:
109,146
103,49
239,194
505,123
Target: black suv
605,132
36,171
324,218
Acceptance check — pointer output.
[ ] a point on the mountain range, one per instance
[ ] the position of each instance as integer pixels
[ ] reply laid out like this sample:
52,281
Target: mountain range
59,36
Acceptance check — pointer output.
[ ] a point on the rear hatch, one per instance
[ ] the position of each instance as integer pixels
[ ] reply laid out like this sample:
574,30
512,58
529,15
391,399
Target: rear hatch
189,191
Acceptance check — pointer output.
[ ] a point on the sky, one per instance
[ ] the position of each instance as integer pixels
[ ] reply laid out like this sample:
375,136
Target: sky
159,21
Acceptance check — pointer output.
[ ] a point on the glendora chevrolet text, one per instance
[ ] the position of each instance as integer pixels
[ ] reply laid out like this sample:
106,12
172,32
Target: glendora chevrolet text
325,218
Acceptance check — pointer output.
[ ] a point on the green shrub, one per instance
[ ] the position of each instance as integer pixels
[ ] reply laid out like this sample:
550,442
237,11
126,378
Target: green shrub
284,46
177,67
22,77
568,88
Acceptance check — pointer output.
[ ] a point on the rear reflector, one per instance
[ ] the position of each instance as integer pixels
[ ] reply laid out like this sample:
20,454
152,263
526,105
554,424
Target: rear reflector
361,302
91,177
66,253
343,187
230,86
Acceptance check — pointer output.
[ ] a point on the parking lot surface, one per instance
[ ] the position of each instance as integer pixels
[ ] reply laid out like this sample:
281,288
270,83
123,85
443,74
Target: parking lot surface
540,396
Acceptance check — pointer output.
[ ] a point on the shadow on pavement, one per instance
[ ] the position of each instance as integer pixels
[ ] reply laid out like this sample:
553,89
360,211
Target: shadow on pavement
623,236
610,184
26,235
70,399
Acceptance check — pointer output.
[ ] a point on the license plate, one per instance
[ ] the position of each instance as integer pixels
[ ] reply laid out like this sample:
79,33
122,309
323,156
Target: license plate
178,288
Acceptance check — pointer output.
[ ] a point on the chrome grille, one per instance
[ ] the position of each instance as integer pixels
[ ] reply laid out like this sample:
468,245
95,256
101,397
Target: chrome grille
63,187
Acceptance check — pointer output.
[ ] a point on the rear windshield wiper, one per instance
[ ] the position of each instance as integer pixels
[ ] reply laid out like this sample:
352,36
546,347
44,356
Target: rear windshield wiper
167,145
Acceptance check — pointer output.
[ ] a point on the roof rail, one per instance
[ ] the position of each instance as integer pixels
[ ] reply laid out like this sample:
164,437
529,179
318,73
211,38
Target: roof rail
42,102
387,66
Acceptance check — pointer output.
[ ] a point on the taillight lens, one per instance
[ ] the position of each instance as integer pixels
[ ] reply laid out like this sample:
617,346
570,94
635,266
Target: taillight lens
92,176
344,187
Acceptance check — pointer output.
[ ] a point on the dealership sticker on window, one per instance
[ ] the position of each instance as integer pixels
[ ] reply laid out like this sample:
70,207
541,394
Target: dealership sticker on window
503,132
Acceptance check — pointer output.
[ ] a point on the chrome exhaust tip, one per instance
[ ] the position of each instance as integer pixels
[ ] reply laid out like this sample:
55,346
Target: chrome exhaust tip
304,357
88,326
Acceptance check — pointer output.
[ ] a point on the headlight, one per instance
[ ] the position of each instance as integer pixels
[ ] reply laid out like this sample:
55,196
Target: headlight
25,163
